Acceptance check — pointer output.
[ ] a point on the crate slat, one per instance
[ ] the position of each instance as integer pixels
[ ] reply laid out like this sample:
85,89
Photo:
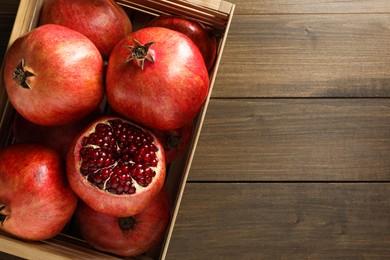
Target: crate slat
216,18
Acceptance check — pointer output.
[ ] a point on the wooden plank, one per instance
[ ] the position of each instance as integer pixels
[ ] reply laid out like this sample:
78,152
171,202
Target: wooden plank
306,56
283,221
310,6
294,140
210,14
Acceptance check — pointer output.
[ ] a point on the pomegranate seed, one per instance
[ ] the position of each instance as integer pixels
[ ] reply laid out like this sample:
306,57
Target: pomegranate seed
119,189
124,168
99,162
148,179
141,182
113,183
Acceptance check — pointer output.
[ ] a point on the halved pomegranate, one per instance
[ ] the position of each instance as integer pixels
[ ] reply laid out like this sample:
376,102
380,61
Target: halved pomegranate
116,167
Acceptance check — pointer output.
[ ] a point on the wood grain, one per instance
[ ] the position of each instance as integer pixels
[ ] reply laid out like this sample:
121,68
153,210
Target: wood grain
294,140
309,6
283,221
293,159
346,55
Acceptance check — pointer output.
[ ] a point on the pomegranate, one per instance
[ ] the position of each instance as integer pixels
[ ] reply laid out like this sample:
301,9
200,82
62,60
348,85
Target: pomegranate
126,236
104,22
54,75
116,167
174,141
56,137
36,201
157,77
201,35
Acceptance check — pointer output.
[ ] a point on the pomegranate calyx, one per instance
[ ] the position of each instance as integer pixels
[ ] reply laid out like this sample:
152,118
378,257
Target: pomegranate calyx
140,52
173,141
127,223
3,217
20,75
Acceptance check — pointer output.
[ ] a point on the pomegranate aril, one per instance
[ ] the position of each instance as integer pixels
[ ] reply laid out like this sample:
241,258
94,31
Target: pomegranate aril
106,173
140,174
85,141
148,180
95,153
125,157
84,165
124,168
100,127
113,183
104,146
150,172
123,178
99,162
95,178
119,189
107,162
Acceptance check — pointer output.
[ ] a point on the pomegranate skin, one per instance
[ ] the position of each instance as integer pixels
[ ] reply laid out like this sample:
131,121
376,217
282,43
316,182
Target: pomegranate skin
104,22
174,141
34,193
68,75
101,200
201,35
57,137
165,94
105,233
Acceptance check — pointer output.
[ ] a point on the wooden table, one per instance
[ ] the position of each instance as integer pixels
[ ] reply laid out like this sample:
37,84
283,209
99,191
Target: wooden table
294,156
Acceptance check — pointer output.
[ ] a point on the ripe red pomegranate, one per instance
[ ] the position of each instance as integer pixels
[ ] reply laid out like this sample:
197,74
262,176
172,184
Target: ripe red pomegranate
174,141
157,77
104,22
54,75
58,137
201,35
116,167
126,236
36,201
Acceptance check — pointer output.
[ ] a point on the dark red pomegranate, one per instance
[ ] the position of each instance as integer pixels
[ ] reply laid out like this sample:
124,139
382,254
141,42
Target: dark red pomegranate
36,201
116,167
157,77
104,22
126,236
54,75
201,35
58,137
174,141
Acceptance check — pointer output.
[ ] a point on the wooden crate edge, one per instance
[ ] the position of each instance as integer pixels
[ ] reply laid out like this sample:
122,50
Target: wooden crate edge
196,139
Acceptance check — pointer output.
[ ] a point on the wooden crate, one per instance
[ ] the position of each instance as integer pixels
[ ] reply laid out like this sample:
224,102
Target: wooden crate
215,13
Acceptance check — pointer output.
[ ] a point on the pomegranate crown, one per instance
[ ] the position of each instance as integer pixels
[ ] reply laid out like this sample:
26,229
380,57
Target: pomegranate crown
140,52
20,74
